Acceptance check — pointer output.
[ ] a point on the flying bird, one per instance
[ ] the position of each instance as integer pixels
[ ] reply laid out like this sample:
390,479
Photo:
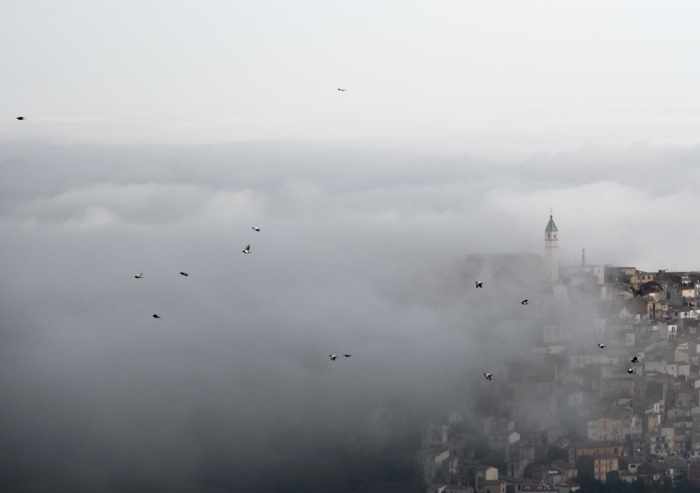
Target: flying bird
247,249
255,228
630,370
601,346
156,316
524,302
479,284
634,360
184,274
332,356
20,118
342,90
139,276
488,376
347,355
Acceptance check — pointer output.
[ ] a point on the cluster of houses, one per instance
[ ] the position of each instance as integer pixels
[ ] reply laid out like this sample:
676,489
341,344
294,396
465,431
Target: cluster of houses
614,398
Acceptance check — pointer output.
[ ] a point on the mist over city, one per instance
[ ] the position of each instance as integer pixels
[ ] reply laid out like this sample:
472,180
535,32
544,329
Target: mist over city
241,247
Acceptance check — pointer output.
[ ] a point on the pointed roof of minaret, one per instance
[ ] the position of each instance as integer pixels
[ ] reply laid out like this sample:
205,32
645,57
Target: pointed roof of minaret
550,226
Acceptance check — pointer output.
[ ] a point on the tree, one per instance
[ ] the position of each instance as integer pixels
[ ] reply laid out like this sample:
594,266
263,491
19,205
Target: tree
556,453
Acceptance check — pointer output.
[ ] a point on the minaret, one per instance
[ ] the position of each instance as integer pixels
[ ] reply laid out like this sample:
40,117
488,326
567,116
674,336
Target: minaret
551,250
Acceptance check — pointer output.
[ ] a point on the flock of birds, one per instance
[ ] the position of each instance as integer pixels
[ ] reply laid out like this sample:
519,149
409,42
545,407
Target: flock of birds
633,360
489,376
480,285
246,250
333,357
185,274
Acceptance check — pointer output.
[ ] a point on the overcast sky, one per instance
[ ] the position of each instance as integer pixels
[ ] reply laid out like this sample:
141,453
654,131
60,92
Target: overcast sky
158,134
490,78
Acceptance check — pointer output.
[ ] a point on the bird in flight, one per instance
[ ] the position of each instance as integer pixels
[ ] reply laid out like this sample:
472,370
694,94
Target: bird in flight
156,315
139,276
332,356
184,274
524,302
634,360
342,90
488,376
347,355
601,346
20,118
255,228
247,249
479,284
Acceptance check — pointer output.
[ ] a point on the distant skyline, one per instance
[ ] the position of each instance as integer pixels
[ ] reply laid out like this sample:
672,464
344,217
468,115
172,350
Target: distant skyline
496,79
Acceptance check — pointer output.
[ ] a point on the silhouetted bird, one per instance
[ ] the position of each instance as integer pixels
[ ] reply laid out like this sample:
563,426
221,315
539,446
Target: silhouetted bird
479,284
156,316
247,249
343,90
634,360
332,356
255,228
347,355
601,346
524,302
20,118
184,274
139,276
488,376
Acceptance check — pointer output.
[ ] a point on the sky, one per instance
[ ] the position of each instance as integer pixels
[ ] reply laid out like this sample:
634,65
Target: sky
496,79
156,136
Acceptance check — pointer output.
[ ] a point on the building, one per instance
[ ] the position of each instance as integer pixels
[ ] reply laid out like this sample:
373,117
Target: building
578,450
537,488
693,473
515,468
567,469
568,486
602,465
432,463
605,429
502,440
626,463
433,435
484,474
449,488
494,486
551,250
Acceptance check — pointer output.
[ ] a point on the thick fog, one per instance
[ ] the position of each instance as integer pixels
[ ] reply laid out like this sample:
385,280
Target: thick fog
361,251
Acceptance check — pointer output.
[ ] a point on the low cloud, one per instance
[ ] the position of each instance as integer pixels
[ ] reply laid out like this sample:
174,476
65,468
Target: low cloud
360,251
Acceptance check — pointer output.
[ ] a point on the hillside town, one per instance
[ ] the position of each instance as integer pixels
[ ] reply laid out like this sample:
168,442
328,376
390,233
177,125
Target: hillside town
615,400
